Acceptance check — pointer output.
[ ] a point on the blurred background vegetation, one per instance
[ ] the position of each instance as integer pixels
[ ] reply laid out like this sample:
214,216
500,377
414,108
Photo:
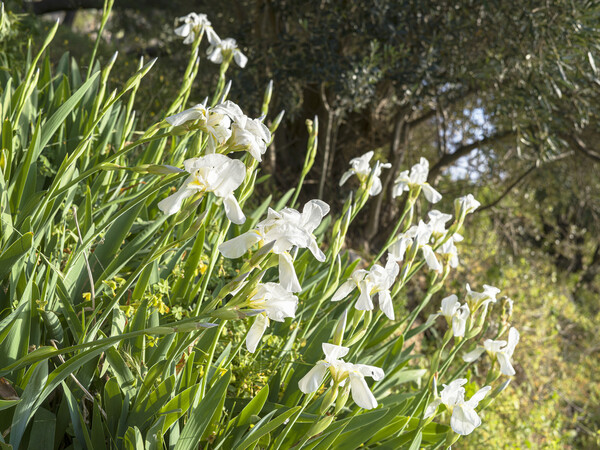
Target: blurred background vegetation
501,97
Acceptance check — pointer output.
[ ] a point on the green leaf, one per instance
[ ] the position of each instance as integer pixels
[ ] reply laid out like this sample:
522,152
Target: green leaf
133,439
145,409
15,252
29,403
44,424
416,443
58,118
253,407
261,429
202,416
6,404
178,406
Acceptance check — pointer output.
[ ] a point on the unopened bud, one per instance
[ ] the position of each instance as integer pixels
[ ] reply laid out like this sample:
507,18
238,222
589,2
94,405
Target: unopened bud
338,334
328,399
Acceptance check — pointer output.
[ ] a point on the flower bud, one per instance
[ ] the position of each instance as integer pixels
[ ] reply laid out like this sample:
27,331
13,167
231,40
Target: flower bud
328,399
338,334
320,426
342,398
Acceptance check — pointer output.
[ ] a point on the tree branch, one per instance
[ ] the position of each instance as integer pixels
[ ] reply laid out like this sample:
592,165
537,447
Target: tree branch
509,188
581,147
451,158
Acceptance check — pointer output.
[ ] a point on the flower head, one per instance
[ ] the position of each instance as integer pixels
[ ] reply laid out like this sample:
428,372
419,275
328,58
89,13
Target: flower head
378,280
455,314
417,237
193,24
225,50
414,179
211,173
215,122
465,205
286,229
341,371
476,300
250,135
361,168
464,418
437,223
276,303
500,351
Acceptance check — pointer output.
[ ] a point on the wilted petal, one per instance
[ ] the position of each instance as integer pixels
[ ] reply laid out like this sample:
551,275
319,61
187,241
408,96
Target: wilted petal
256,332
236,247
313,379
287,274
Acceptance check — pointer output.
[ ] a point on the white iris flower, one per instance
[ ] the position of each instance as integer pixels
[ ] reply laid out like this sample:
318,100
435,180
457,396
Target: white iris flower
287,228
193,24
276,303
415,178
215,122
250,135
361,168
224,50
464,418
456,314
500,351
419,235
377,280
340,372
211,173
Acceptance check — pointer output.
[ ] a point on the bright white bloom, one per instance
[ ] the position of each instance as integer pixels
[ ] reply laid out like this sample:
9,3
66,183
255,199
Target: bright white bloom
437,223
211,173
340,371
277,304
455,314
287,228
193,24
449,253
377,280
465,205
215,122
224,50
415,178
249,135
476,300
501,351
419,235
464,418
361,168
